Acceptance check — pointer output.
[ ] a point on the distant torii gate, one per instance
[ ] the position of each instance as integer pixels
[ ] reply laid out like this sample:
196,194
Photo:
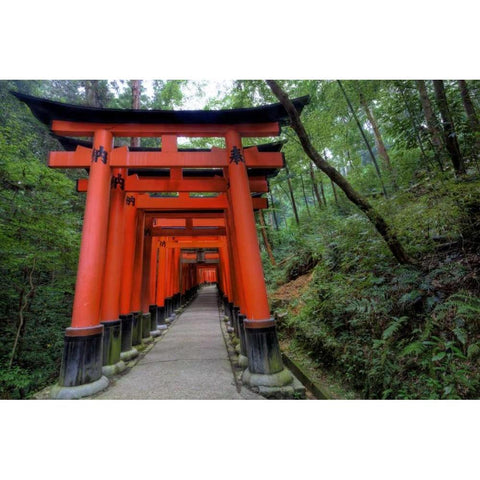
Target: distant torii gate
102,314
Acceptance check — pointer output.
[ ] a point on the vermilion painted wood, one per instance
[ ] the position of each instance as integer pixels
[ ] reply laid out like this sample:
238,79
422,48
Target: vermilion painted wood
130,212
238,290
191,184
184,202
176,276
208,222
88,289
178,232
122,158
160,222
110,303
160,293
136,293
79,129
147,254
251,270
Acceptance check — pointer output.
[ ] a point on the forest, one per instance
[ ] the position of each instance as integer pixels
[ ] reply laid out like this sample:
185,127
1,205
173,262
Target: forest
370,244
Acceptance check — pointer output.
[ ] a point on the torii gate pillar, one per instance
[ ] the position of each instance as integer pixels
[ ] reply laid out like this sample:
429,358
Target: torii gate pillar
82,355
265,366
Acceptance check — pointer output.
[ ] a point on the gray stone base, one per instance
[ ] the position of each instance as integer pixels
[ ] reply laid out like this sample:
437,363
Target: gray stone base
155,333
129,354
147,340
279,379
242,361
70,393
110,370
294,391
162,327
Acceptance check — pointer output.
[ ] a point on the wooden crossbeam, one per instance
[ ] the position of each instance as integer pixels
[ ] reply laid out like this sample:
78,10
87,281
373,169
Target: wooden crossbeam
192,184
182,202
184,232
122,158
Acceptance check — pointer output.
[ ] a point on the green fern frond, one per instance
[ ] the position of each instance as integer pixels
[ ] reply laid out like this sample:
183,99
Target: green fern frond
473,350
414,348
394,327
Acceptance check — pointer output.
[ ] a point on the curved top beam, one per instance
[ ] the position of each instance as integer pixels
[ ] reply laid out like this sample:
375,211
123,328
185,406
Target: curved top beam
48,110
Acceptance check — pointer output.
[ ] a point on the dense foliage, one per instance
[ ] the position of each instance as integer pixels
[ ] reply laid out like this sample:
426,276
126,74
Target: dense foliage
387,330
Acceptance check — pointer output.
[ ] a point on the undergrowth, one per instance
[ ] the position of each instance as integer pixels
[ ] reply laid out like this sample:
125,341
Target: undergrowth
391,331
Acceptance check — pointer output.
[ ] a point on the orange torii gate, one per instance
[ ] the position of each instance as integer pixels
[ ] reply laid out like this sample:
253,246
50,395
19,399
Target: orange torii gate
96,309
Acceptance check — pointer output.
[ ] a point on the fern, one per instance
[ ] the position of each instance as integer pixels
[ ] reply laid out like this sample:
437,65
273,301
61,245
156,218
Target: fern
473,351
466,305
394,327
414,348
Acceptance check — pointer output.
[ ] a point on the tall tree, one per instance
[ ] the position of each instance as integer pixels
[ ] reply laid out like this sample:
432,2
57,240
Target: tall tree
96,93
136,86
416,129
367,143
377,220
292,197
266,242
430,120
314,184
382,150
450,136
305,199
273,210
471,114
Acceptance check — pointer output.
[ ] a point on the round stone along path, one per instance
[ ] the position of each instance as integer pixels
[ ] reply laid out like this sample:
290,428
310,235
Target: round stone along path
189,362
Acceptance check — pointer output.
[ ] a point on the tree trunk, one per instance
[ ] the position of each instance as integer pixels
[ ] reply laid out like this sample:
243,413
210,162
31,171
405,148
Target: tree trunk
449,134
273,211
377,220
305,196
322,190
136,88
24,299
471,114
314,184
91,93
268,247
430,119
382,151
367,143
416,130
290,189
334,191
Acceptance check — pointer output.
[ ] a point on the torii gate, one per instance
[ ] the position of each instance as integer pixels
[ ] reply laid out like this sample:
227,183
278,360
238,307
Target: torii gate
107,207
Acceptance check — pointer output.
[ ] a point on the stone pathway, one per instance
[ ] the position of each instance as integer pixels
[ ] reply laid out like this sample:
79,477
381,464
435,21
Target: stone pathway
189,362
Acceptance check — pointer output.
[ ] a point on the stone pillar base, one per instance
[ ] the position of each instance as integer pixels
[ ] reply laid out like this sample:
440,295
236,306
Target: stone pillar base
147,340
242,361
146,325
129,354
82,356
70,393
263,350
112,343
136,328
110,370
156,333
279,379
127,321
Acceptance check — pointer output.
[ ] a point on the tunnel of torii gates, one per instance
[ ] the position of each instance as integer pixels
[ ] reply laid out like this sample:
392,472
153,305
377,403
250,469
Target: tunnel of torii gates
158,223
